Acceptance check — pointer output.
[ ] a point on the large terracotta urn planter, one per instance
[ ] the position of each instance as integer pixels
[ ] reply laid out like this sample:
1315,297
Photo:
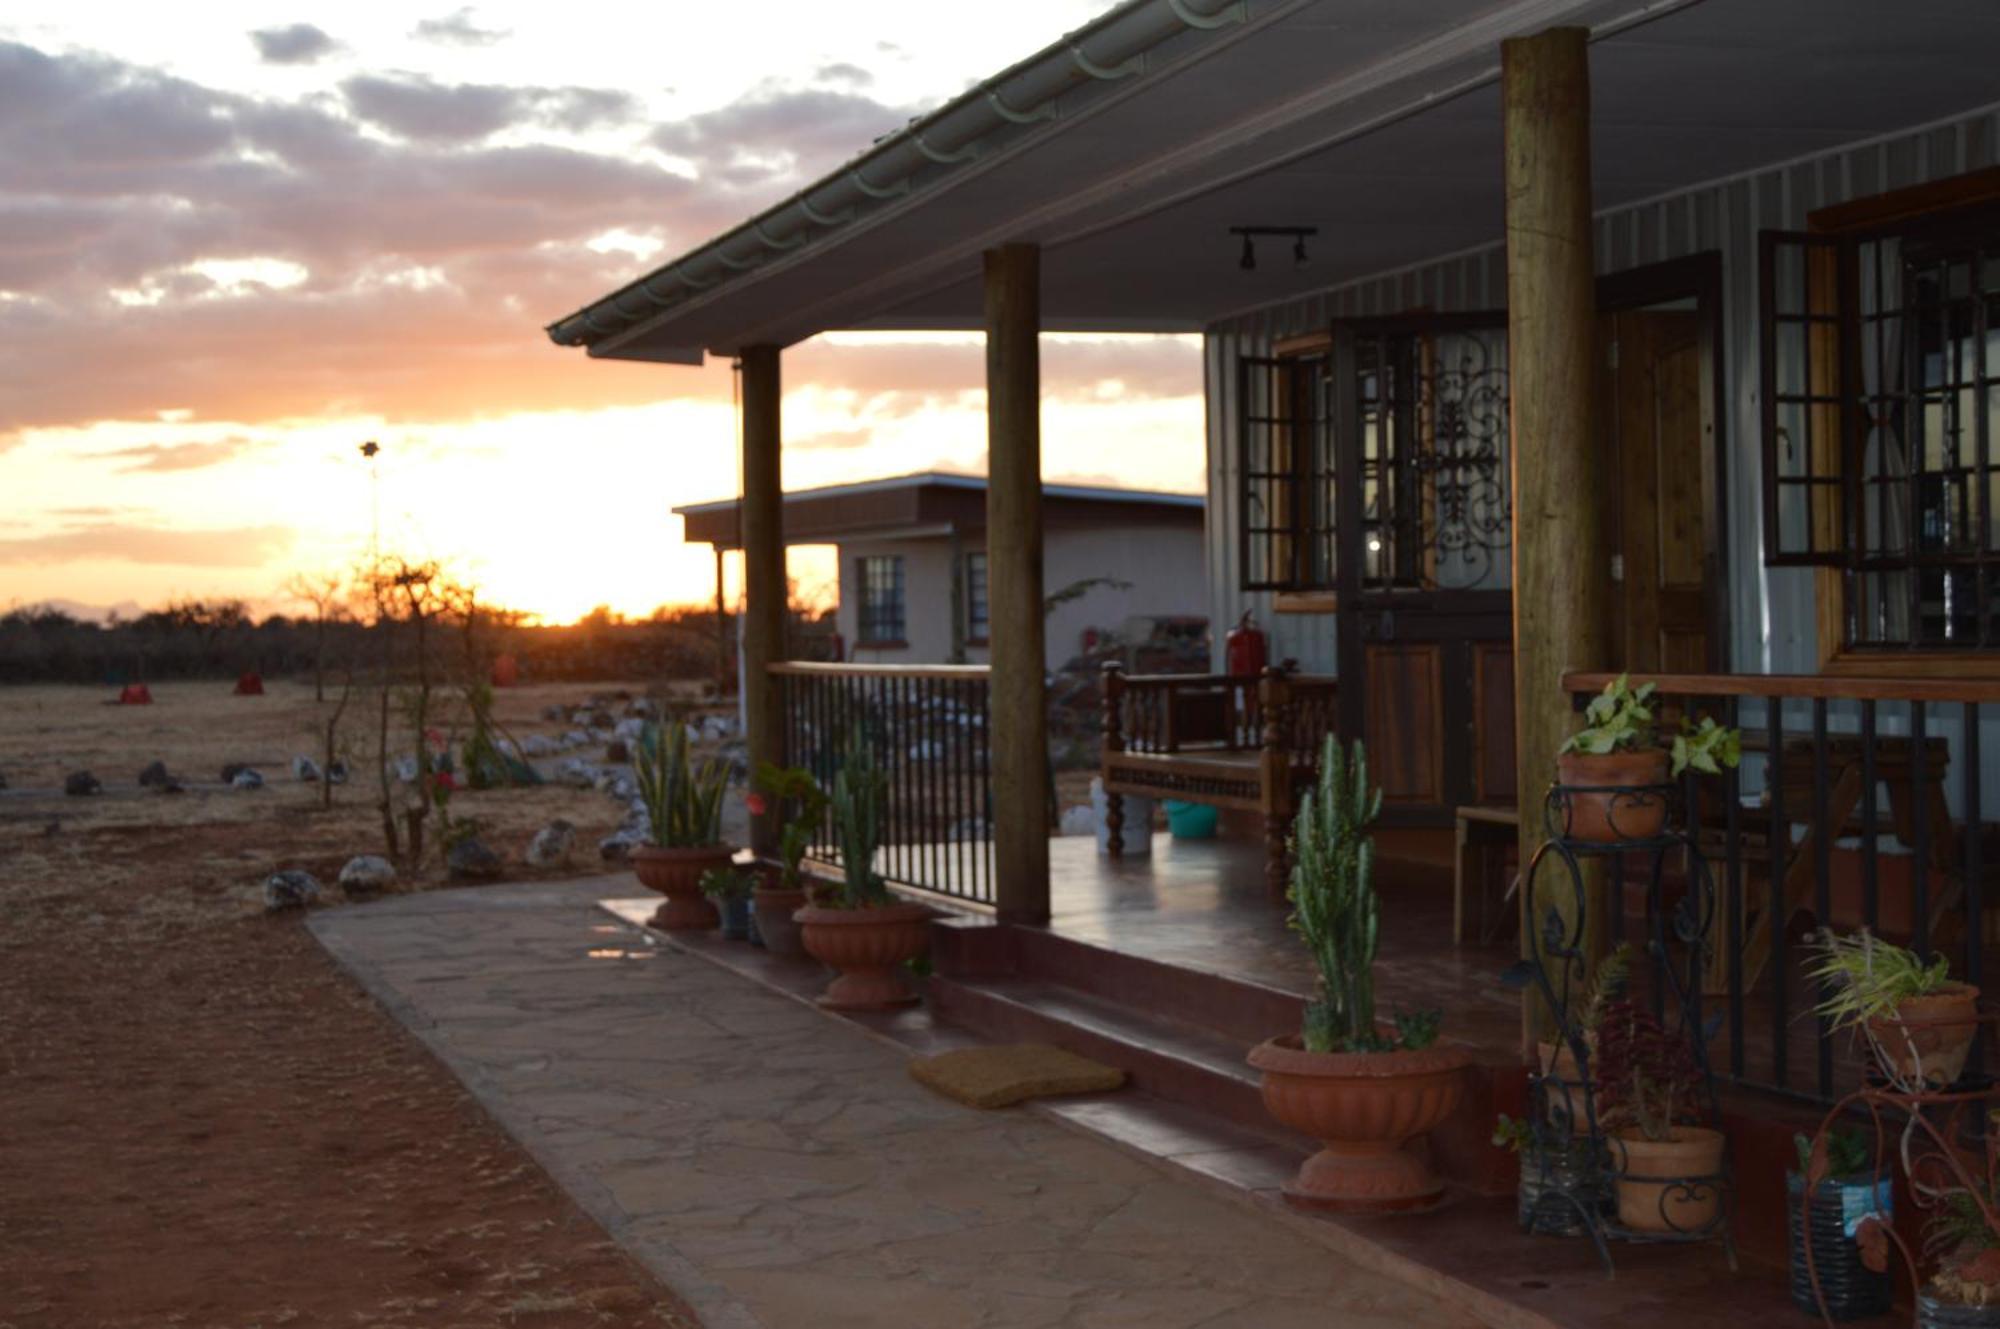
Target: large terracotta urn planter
1364,1108
869,946
774,907
1609,795
1654,1193
676,874
1928,1038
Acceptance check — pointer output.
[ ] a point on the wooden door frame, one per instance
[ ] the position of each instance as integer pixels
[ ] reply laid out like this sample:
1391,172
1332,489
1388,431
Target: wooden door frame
1696,276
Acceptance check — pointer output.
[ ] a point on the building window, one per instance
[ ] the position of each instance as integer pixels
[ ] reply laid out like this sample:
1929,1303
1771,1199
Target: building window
880,577
1404,419
975,598
1881,366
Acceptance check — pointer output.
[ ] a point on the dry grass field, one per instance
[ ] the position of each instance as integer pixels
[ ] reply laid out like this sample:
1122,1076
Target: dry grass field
202,1121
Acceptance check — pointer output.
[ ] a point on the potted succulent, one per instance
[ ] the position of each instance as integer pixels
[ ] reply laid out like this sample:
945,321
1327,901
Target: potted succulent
684,806
1667,1165
1846,1190
1919,1022
862,930
1363,1089
729,889
801,803
1611,770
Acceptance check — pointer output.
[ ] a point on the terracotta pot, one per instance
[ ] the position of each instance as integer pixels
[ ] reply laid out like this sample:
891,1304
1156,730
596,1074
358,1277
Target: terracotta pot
1600,816
774,907
1364,1108
869,947
1928,1038
1565,1085
676,874
1652,1193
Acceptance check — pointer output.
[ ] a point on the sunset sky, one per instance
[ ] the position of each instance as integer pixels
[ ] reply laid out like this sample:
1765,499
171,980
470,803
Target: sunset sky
238,240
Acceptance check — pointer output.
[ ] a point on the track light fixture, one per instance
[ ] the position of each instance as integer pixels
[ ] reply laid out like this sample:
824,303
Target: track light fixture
1248,262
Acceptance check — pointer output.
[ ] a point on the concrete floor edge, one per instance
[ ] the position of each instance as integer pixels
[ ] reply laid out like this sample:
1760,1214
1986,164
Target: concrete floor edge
1342,1240
714,1306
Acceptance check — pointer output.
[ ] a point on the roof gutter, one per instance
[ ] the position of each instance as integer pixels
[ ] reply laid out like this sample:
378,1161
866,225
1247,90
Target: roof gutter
1024,97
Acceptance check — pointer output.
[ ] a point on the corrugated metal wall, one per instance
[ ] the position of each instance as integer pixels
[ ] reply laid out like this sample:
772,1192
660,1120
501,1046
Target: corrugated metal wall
1771,610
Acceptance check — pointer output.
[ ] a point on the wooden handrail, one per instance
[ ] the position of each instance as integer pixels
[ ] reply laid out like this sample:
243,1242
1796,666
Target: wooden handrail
823,669
1221,680
1833,687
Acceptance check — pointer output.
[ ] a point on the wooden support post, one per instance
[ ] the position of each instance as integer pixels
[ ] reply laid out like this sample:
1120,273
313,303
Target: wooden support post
956,553
1562,583
725,659
764,583
1274,760
1020,758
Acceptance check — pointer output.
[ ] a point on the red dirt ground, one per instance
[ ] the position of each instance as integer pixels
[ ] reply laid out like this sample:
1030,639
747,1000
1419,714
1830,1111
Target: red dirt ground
203,1122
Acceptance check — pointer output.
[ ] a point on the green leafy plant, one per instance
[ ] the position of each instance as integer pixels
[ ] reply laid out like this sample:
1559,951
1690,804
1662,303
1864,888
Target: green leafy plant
1336,912
793,788
1607,984
683,800
860,806
1513,1134
1868,978
1623,718
1847,1153
731,883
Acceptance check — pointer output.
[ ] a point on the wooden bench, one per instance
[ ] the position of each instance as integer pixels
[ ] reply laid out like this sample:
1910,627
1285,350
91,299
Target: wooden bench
1485,834
1248,742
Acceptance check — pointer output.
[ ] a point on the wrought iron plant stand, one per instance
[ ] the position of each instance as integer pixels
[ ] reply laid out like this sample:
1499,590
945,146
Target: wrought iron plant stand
1570,1164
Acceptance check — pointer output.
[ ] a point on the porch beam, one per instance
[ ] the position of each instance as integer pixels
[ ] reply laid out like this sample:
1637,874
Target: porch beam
1562,584
764,583
1020,747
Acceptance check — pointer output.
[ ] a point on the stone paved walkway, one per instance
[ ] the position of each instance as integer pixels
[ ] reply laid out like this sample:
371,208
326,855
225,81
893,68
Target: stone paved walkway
779,1169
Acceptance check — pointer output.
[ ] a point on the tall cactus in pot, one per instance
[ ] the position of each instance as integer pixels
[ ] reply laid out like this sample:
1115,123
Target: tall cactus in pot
1332,891
860,802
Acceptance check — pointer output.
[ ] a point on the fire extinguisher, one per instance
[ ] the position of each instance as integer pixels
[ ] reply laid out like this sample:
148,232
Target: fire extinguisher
1244,648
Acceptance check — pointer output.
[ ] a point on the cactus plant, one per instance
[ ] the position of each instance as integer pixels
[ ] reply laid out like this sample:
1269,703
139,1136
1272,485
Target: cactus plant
860,802
1336,912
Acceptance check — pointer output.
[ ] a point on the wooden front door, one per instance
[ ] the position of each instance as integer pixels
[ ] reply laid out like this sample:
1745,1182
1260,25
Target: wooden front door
1652,404
1424,611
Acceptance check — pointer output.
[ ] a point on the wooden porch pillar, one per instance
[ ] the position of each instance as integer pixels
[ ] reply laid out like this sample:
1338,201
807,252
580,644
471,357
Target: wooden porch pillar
1562,582
1020,758
763,532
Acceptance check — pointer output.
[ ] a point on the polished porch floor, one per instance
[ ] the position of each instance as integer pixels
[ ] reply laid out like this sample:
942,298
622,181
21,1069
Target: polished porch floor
1203,905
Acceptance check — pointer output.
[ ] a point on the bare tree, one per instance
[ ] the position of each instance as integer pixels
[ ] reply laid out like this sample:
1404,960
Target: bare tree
325,592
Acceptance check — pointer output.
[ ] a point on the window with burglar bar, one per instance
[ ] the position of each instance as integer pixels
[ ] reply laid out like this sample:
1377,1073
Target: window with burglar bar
880,578
1881,368
1419,433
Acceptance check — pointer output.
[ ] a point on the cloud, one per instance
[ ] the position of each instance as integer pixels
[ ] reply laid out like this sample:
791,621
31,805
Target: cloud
457,29
425,111
295,44
179,456
831,440
853,75
780,134
228,547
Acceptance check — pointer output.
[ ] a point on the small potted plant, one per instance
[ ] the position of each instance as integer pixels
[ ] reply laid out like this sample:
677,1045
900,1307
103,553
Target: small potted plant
1919,1022
1363,1089
1552,1191
1963,1236
1846,1191
862,930
684,806
1611,771
801,803
1558,1063
1667,1164
729,890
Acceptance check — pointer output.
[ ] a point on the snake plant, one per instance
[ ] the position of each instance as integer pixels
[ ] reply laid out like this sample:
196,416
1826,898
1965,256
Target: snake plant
683,800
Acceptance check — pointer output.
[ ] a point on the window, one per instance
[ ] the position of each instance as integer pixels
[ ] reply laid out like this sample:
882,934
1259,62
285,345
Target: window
880,578
1415,411
975,597
1881,366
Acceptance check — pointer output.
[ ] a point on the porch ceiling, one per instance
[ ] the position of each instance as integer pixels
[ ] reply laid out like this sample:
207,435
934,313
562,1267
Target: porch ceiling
1376,121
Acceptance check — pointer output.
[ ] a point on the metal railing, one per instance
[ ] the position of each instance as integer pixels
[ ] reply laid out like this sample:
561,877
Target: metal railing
929,728
1860,801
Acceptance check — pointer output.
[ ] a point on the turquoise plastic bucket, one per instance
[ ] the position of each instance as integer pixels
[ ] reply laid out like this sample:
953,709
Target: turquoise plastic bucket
1191,821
